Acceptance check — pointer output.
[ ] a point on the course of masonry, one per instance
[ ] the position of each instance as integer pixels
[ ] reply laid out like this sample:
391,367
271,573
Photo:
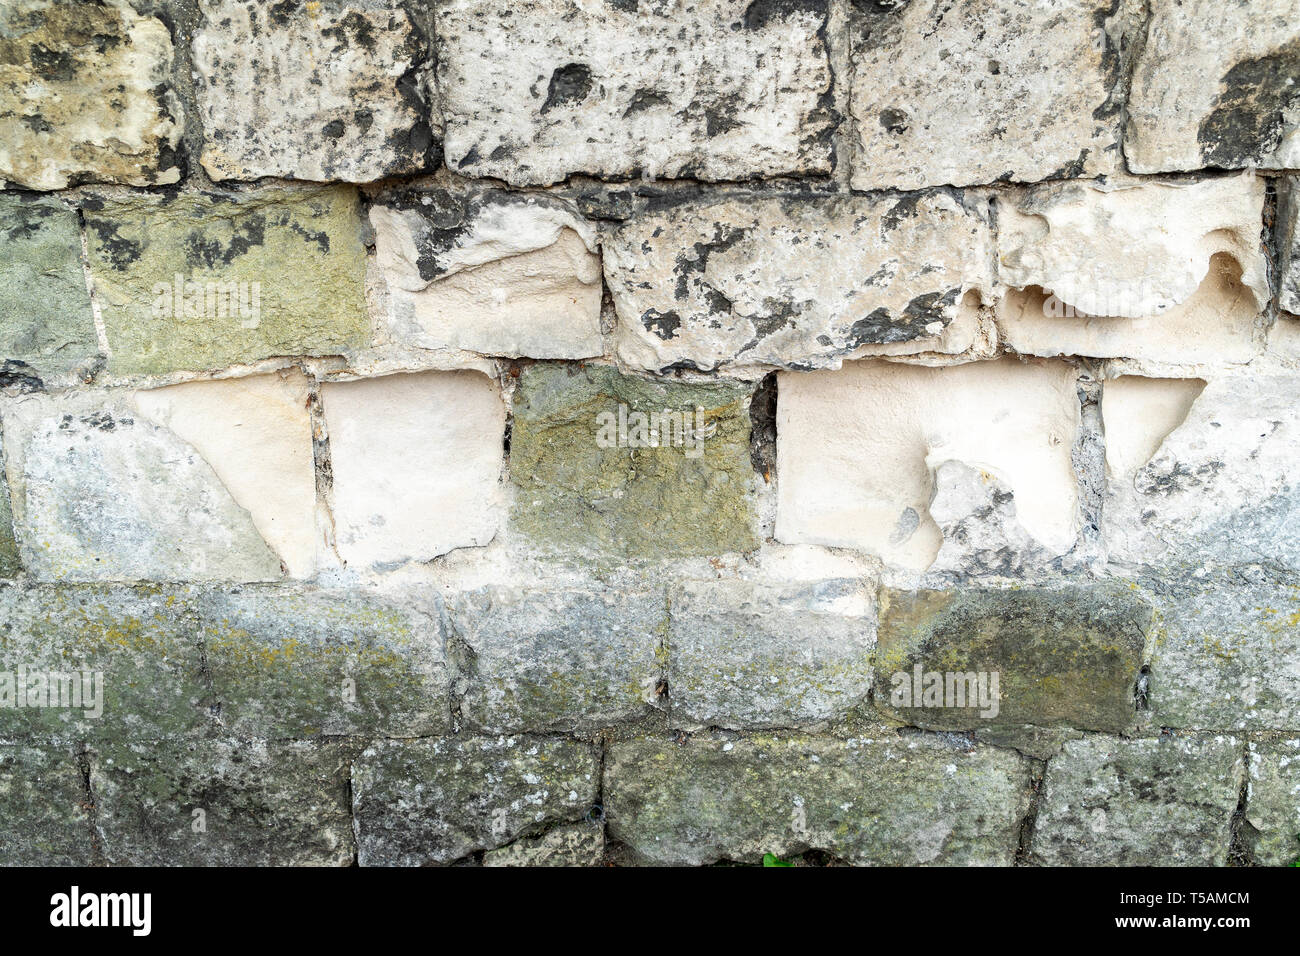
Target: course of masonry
603,432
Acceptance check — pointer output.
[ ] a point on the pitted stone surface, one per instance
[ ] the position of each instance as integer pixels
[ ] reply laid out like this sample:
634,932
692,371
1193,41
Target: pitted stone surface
1272,804
85,96
1215,85
534,91
44,817
960,93
490,272
321,91
796,282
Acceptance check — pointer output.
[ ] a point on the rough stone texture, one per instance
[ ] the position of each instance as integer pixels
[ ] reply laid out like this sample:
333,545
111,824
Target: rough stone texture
417,460
797,281
489,271
1133,248
558,660
858,447
310,663
100,494
1140,413
1066,656
960,93
10,563
260,274
1162,802
438,800
748,654
44,818
85,95
256,434
142,641
1227,651
1289,247
263,804
884,802
1214,85
536,90
1273,802
47,330
1222,487
582,844
629,503
322,91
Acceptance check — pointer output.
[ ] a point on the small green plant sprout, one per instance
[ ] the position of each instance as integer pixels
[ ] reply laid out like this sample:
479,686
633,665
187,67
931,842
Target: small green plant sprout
771,859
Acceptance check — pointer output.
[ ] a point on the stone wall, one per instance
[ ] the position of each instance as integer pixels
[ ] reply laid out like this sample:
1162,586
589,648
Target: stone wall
331,336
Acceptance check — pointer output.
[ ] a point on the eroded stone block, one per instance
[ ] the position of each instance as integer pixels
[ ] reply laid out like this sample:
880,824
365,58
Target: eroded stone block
491,272
333,91
796,282
887,802
1289,247
203,281
10,563
1273,802
47,329
1162,802
85,95
590,477
536,90
300,663
44,811
858,448
417,464
437,800
963,94
558,660
746,654
1214,85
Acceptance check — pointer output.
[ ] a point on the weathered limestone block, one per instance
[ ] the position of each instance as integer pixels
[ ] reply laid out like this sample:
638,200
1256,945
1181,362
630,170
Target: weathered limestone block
589,477
306,663
85,95
47,329
797,281
893,801
1273,802
558,659
100,494
417,464
321,91
536,90
489,271
141,643
1214,85
976,514
256,434
859,447
202,281
1227,651
1140,413
1064,656
1155,802
218,802
1221,489
582,844
1160,271
10,563
44,818
1289,247
962,94
747,654
437,800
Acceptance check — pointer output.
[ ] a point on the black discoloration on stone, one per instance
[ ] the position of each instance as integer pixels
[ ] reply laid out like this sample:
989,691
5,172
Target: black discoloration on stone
762,427
644,99
696,262
662,324
333,129
761,13
250,231
894,120
118,250
19,376
1246,123
569,84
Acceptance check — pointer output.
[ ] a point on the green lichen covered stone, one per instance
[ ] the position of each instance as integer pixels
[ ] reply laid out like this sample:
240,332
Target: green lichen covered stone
1153,802
889,801
196,282
217,802
47,329
142,641
1227,651
580,844
622,502
542,660
1065,656
299,663
1273,802
44,813
438,800
10,564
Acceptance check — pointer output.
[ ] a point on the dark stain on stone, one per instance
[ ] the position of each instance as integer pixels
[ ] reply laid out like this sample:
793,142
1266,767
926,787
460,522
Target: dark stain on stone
762,427
662,324
761,13
1074,169
52,64
113,246
696,262
644,99
569,84
19,376
893,120
333,129
1246,123
249,232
